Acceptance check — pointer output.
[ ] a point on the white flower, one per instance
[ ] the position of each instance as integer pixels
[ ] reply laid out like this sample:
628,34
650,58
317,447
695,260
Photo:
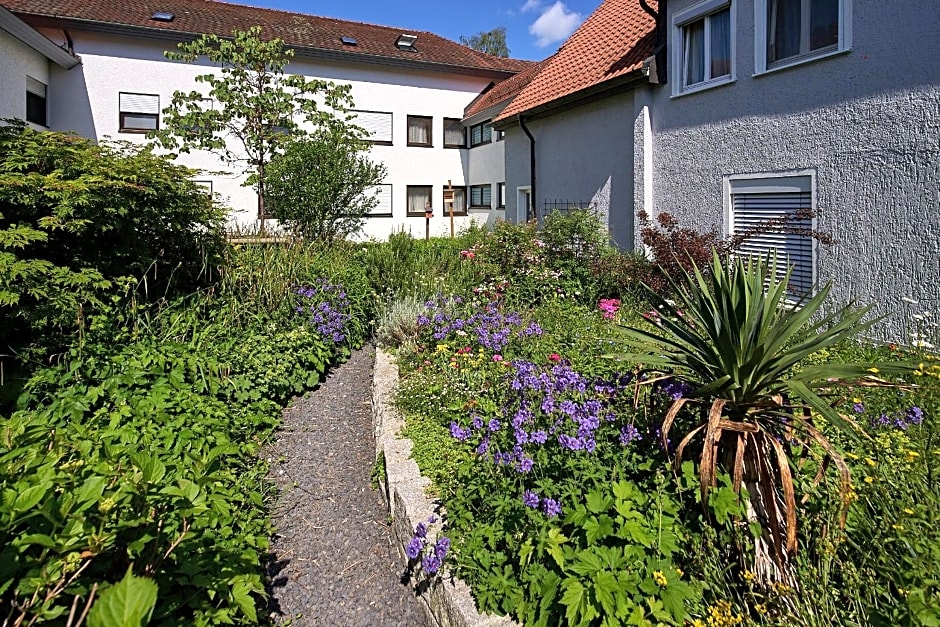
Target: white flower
907,299
918,317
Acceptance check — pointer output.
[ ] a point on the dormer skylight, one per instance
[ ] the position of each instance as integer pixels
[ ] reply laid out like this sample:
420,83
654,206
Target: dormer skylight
406,42
349,41
163,16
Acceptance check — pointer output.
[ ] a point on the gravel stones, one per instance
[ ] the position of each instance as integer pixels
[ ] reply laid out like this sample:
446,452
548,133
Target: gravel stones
333,562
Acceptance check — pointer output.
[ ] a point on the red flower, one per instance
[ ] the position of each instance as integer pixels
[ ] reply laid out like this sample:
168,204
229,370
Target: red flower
554,357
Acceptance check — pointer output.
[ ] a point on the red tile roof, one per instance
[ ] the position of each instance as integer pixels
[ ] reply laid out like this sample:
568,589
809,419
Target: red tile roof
611,43
295,29
504,91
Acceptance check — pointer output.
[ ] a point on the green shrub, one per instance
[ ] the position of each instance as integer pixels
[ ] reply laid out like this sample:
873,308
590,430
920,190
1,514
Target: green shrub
76,216
320,186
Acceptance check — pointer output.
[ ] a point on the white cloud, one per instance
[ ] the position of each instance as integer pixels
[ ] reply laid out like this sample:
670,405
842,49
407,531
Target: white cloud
554,24
531,5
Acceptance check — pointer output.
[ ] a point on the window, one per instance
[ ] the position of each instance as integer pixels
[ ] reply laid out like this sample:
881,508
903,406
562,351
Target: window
35,101
419,131
500,135
793,31
757,203
705,46
460,201
139,113
376,124
419,200
481,134
501,195
454,134
206,185
383,193
481,196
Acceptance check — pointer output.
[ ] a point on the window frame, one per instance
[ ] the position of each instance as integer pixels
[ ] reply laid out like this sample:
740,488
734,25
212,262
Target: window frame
795,181
33,87
122,115
482,187
430,120
391,203
391,127
463,144
762,64
500,195
485,138
681,21
415,214
466,201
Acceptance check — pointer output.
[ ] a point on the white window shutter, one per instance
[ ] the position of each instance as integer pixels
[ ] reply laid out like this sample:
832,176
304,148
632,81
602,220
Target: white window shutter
140,103
384,194
377,124
751,210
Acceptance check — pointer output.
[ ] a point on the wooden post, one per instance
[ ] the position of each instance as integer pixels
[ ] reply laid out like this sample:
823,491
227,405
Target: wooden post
449,200
427,222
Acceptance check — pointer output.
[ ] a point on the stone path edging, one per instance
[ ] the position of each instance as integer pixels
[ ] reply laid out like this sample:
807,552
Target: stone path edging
447,603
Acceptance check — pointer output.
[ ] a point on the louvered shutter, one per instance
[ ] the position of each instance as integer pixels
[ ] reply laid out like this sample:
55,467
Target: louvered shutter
140,103
384,194
377,124
752,208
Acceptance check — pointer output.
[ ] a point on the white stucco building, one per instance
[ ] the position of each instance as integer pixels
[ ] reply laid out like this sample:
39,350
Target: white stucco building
409,88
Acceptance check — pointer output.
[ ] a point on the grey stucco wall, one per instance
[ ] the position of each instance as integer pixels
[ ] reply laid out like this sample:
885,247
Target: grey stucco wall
583,153
17,61
866,122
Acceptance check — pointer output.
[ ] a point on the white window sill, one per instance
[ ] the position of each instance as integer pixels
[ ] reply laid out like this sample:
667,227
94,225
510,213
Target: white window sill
699,87
802,60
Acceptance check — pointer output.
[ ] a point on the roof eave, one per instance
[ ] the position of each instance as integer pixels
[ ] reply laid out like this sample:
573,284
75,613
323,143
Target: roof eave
486,114
36,40
305,51
594,92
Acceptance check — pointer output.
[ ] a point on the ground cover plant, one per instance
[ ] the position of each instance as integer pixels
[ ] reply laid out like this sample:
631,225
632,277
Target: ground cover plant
138,453
563,490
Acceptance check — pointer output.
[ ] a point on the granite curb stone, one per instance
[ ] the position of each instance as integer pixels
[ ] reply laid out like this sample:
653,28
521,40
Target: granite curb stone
446,603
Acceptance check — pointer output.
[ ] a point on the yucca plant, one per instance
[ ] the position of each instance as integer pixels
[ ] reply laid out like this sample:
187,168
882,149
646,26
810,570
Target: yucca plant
736,336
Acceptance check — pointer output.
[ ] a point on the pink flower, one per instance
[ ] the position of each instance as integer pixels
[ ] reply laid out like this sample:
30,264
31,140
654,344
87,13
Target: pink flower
467,254
554,357
497,357
610,307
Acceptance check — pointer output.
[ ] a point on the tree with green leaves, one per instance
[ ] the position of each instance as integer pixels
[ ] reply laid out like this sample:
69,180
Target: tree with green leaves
253,109
320,186
491,42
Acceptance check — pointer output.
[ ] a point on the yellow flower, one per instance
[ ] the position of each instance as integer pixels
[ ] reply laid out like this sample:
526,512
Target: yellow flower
851,455
761,608
660,579
856,400
898,527
748,576
869,461
679,572
869,479
908,511
874,370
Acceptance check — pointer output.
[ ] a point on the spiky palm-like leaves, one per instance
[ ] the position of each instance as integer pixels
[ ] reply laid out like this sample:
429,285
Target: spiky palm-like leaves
736,335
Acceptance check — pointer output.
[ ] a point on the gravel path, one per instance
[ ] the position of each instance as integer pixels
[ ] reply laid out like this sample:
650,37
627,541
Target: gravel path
333,561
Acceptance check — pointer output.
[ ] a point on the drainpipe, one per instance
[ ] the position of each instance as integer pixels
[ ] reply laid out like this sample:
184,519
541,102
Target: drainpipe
661,39
530,210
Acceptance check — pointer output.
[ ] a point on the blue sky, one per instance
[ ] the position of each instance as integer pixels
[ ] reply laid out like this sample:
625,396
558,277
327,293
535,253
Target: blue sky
534,28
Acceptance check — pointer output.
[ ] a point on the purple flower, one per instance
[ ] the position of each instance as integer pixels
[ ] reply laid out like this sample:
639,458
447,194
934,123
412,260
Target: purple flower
441,547
483,447
421,530
551,507
458,432
525,464
858,408
915,415
530,499
477,421
539,437
414,547
494,425
431,563
628,434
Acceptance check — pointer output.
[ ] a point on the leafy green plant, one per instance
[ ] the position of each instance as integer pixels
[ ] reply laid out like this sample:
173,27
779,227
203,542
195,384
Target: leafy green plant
77,217
323,186
251,104
735,339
